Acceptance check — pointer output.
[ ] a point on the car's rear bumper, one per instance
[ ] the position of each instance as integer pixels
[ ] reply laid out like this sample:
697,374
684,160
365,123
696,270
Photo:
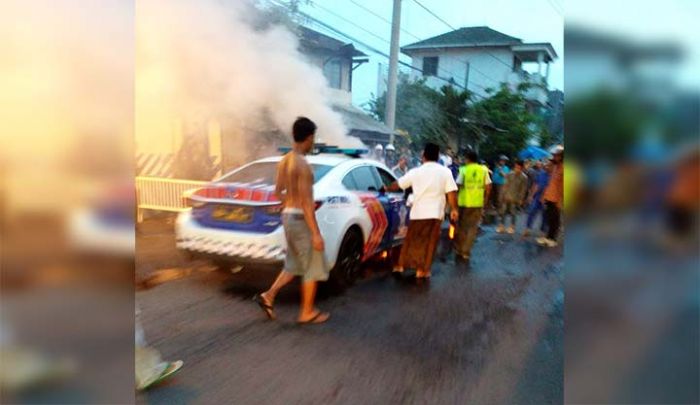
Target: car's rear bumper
273,265
231,246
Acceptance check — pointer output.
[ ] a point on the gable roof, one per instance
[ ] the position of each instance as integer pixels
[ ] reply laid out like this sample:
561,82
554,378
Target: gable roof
466,37
311,39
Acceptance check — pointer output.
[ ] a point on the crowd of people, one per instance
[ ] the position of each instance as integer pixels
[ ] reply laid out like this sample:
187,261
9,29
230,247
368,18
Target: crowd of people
463,183
439,182
512,189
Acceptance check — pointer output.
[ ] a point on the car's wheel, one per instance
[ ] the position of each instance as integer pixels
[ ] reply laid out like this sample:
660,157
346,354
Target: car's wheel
348,263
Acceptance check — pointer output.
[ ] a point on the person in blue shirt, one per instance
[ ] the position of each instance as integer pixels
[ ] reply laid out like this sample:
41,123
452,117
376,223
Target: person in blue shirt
499,179
541,179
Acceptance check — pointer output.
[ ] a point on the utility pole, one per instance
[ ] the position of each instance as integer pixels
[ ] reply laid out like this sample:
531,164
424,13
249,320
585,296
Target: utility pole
390,112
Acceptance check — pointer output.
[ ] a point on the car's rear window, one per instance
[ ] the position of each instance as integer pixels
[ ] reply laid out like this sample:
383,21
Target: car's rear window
266,173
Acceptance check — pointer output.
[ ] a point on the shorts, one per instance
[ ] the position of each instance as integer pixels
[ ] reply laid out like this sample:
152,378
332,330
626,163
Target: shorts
302,259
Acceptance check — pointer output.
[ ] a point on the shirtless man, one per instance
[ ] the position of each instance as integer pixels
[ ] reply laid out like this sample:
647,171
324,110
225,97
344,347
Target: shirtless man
304,242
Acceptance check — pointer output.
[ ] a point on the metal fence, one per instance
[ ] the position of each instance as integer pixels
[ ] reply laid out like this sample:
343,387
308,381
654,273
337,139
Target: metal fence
162,194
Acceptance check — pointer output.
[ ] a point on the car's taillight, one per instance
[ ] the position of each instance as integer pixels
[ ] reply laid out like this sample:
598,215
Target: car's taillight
318,204
195,203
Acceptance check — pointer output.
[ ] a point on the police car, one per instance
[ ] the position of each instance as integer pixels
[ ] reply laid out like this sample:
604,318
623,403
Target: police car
236,219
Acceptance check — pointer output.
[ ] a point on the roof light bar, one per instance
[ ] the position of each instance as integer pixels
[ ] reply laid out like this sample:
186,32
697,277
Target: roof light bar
323,148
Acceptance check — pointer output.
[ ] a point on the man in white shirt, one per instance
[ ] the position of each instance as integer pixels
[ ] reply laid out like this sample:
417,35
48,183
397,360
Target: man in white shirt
433,186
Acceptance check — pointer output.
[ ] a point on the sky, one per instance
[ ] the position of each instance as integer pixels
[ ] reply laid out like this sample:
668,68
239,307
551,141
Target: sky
647,21
531,21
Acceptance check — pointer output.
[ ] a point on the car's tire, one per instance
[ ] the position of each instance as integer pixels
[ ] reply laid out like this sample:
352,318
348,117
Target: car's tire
348,263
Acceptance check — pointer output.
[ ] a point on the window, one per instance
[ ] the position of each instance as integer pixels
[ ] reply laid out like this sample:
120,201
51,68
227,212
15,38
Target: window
349,182
266,173
332,71
362,179
387,178
430,66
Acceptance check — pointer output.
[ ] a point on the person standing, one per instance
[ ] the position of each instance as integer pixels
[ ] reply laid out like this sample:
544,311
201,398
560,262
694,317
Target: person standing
512,197
305,245
401,168
474,185
432,185
535,206
499,179
553,197
379,153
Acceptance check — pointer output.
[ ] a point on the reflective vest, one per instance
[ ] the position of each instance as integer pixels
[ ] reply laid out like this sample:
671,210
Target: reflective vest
472,192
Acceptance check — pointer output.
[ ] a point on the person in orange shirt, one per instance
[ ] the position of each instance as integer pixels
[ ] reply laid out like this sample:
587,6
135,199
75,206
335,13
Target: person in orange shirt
553,198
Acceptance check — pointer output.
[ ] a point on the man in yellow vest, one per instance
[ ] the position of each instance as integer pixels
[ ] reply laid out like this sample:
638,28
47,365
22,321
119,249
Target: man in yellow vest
474,185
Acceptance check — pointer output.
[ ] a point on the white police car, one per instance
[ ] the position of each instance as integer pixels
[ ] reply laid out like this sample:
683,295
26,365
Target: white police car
236,219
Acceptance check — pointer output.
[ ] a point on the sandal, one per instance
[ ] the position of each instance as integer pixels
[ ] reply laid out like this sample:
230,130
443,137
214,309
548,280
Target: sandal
172,368
267,308
320,317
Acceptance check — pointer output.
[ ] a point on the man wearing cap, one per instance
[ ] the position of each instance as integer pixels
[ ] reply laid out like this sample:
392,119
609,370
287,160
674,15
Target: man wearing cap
474,186
553,198
379,153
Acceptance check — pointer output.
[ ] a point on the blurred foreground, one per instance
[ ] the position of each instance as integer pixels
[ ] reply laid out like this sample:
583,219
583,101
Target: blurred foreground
632,236
66,196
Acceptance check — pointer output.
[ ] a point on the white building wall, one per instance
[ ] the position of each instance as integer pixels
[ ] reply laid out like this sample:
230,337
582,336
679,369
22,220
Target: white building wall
486,69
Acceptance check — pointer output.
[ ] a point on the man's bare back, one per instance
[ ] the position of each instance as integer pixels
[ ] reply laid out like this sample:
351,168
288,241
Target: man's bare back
294,185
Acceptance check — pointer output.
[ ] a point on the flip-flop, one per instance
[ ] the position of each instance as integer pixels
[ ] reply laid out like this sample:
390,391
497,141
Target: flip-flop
172,368
267,308
316,319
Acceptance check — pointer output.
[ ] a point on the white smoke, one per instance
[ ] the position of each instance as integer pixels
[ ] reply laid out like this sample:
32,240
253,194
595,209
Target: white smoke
202,60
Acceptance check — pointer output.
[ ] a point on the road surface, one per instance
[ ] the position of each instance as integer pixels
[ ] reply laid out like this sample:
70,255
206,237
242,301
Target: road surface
490,333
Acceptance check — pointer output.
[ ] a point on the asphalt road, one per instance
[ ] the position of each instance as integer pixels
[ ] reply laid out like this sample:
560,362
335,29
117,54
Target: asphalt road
491,333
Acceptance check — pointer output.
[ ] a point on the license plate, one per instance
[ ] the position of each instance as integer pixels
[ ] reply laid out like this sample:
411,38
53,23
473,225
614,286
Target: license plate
232,214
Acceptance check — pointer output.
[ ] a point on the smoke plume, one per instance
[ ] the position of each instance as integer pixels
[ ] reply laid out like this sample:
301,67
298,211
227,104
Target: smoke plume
203,61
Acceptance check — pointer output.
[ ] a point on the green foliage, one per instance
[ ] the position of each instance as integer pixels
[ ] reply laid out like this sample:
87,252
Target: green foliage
454,109
507,111
451,118
602,125
418,111
546,137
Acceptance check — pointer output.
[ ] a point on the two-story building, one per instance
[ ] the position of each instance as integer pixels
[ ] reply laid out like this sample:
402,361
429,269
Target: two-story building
338,60
479,58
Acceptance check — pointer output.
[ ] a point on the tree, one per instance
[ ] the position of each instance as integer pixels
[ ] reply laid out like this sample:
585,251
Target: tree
546,138
418,110
603,124
507,111
454,110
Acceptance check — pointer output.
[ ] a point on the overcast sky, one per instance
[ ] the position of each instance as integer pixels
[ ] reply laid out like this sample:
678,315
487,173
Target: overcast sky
648,21
531,21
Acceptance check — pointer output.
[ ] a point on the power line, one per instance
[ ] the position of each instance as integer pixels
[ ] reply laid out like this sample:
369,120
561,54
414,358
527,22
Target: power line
349,22
434,15
352,39
382,18
464,61
338,32
558,8
455,29
371,48
452,74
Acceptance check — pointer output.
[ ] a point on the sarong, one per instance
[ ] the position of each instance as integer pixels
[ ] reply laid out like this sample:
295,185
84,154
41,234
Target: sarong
419,246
